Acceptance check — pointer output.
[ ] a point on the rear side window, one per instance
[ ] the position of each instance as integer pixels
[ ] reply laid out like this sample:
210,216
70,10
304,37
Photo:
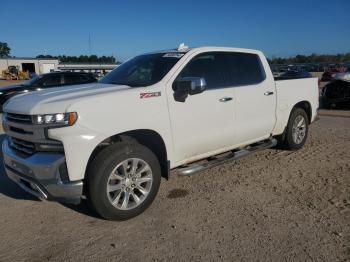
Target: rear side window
210,66
245,69
87,78
72,79
52,80
84,78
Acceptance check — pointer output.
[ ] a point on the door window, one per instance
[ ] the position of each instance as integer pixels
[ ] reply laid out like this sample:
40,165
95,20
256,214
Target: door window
53,80
72,79
245,69
85,78
210,66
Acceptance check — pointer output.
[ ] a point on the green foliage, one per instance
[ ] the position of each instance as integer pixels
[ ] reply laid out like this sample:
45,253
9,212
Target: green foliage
81,59
4,49
313,58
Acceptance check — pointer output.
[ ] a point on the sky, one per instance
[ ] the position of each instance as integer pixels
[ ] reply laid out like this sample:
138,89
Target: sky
128,28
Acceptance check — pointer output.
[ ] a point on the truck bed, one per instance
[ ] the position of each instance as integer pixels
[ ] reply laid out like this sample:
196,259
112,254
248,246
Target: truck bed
291,92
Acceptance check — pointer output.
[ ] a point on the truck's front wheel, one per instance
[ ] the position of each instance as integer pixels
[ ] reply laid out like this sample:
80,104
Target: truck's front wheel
123,180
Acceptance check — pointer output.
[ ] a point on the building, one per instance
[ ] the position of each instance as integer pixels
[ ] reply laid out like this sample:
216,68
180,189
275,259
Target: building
32,65
46,65
87,67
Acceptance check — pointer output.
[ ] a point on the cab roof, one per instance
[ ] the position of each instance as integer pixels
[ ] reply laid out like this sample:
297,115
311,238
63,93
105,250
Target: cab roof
187,49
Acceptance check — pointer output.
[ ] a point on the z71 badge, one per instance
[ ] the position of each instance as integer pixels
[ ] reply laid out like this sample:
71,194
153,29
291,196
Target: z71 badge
150,94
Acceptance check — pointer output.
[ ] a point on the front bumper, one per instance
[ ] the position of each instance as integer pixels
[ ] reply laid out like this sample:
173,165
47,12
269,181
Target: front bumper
40,176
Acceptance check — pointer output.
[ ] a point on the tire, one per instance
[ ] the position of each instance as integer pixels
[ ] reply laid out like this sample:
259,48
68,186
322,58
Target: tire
295,136
114,189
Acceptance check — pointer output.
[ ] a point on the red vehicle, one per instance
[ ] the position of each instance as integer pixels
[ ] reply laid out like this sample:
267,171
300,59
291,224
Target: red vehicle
331,72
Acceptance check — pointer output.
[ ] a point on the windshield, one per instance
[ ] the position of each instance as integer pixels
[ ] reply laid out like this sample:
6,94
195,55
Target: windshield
143,70
32,81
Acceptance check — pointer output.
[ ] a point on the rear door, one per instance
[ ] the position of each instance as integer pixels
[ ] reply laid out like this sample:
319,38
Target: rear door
255,97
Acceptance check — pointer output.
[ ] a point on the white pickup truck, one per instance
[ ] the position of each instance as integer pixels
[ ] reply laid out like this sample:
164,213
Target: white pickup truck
187,108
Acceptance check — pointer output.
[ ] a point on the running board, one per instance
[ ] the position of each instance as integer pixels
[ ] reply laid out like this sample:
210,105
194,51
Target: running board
195,168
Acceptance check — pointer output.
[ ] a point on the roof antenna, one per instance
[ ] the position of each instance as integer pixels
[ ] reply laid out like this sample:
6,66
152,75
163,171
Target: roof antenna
182,46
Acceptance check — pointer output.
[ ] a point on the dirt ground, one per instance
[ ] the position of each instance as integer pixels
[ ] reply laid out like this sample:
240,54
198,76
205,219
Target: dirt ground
271,206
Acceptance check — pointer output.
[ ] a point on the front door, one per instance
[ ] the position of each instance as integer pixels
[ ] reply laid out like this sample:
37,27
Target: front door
204,122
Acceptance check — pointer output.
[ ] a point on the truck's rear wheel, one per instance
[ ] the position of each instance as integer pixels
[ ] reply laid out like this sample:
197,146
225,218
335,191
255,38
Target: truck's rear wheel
297,129
123,180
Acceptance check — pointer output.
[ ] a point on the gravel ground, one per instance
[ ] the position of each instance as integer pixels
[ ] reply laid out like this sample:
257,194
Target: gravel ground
272,206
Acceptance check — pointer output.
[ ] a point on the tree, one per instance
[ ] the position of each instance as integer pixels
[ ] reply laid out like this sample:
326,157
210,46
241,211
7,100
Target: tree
81,58
46,56
4,49
313,58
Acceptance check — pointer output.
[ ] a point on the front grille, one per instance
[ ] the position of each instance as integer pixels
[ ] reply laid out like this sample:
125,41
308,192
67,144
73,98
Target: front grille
17,118
25,148
20,130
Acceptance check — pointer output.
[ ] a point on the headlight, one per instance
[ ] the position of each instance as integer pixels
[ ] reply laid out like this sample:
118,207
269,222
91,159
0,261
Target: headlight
65,119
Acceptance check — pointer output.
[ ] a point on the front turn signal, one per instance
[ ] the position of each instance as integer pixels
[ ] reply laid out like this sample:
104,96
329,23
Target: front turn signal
72,118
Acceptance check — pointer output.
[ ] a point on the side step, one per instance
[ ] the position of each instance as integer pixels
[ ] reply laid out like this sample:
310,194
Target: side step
195,168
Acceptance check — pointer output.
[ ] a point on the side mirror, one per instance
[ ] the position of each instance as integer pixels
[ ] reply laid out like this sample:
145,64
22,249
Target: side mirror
189,85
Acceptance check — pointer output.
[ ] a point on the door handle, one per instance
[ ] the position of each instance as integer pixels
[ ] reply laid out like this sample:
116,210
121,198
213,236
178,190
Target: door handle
225,99
268,93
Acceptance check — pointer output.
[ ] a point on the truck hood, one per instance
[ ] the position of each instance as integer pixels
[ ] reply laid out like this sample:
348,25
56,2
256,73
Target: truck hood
57,100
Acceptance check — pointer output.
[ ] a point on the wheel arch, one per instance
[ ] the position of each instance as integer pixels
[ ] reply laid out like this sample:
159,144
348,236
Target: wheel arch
306,106
146,137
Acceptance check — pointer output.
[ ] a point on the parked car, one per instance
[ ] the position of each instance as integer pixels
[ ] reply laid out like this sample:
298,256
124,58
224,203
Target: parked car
278,72
293,74
331,72
184,109
336,94
44,81
328,76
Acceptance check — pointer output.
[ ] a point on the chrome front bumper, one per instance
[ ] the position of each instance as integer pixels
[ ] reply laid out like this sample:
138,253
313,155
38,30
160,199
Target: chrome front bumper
40,176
